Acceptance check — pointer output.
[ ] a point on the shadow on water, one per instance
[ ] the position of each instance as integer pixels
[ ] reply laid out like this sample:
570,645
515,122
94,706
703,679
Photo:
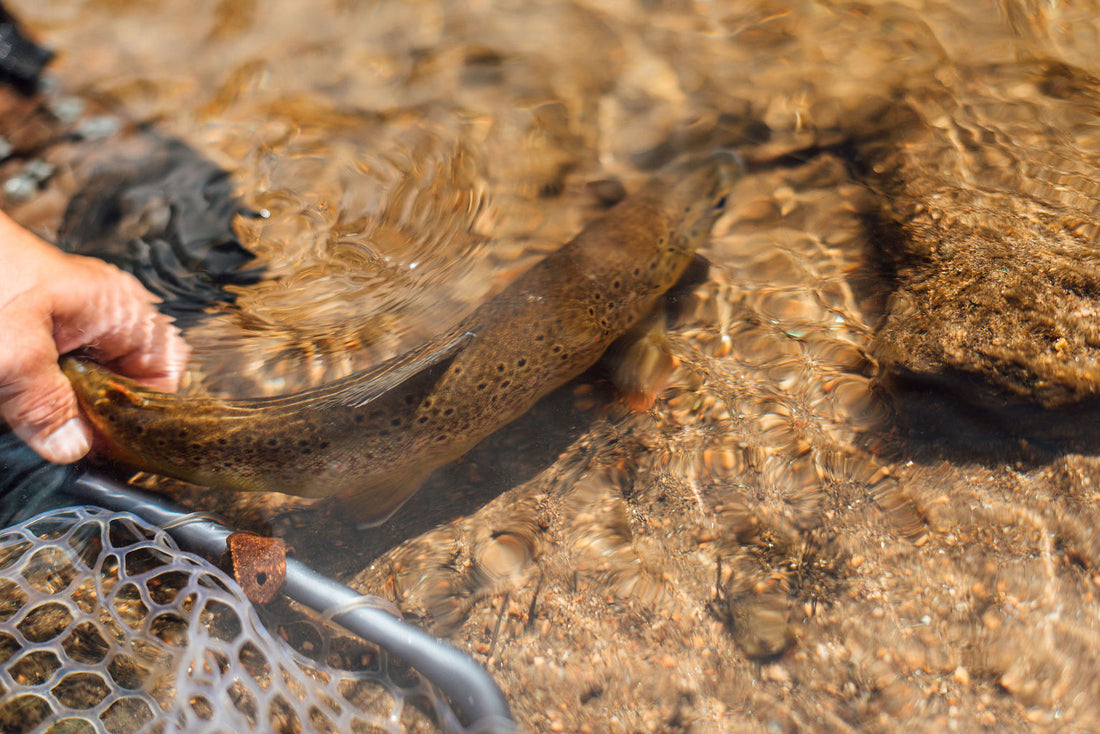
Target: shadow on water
947,414
507,459
958,418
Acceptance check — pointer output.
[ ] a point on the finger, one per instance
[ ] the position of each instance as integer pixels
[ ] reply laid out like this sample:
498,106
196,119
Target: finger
113,318
38,403
97,307
160,363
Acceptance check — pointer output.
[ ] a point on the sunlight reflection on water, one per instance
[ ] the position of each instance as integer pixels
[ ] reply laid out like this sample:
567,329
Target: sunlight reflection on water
414,157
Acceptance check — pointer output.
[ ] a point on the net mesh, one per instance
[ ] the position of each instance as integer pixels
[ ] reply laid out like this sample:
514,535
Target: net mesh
107,626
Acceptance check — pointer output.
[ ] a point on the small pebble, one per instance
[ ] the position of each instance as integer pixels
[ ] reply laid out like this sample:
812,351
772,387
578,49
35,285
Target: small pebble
20,188
99,127
67,109
962,675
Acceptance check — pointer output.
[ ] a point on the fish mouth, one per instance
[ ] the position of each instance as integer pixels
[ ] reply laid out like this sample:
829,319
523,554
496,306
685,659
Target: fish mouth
729,160
731,167
724,167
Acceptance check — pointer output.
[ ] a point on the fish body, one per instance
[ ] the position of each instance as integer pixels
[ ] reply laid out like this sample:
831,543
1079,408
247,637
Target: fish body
372,438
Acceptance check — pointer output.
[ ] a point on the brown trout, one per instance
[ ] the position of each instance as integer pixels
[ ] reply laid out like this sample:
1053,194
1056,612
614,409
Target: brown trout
371,439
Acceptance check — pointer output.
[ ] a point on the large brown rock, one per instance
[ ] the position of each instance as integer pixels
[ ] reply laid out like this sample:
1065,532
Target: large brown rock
989,221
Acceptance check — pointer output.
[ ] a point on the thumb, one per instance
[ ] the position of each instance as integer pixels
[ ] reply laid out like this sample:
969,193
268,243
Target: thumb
39,404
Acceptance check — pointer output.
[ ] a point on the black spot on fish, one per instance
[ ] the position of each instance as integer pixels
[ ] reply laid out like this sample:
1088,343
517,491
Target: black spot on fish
448,411
422,419
395,422
272,442
482,385
139,430
323,445
222,441
521,362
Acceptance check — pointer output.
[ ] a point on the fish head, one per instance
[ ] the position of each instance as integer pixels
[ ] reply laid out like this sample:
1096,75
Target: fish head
696,193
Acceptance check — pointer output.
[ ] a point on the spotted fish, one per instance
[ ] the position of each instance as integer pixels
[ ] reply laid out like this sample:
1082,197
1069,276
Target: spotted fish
369,440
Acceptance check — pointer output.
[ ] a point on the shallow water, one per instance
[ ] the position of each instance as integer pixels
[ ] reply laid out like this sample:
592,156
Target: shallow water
779,545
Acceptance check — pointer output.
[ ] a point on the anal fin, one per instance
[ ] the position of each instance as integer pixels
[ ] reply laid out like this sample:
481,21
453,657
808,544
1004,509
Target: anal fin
371,506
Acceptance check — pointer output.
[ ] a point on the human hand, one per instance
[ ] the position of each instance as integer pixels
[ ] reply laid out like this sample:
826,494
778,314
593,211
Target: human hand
52,303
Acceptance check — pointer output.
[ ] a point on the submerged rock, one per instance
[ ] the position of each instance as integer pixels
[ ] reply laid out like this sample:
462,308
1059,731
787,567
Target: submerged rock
989,216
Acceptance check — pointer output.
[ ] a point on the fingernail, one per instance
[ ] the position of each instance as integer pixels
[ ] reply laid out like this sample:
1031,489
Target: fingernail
67,444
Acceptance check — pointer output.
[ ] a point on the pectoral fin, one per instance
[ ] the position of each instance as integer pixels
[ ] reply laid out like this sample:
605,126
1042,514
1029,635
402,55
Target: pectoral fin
641,361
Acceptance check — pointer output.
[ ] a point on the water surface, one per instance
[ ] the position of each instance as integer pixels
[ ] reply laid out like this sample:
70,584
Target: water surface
781,544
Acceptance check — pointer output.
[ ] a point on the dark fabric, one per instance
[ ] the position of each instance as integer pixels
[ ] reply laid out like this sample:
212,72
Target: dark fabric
167,218
28,484
21,59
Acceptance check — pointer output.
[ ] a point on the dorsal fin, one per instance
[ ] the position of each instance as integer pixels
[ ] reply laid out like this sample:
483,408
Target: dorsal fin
361,388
